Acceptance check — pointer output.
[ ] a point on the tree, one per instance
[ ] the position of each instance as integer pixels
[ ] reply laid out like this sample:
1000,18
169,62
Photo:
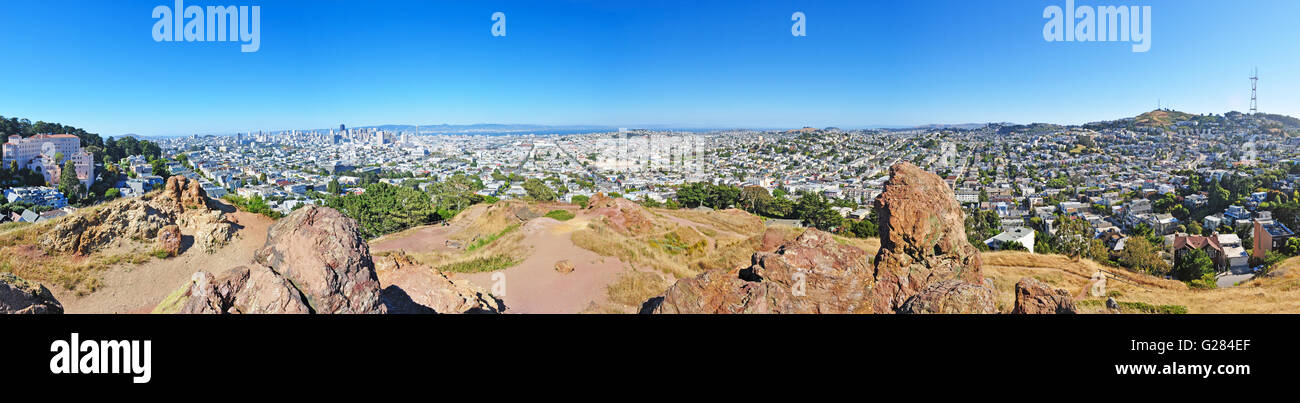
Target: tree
68,182
754,199
1014,245
160,168
1073,236
333,187
1142,256
722,196
692,195
537,190
816,212
385,209
581,200
1193,265
865,228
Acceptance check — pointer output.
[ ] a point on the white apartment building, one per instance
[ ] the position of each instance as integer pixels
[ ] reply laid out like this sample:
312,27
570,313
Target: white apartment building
37,153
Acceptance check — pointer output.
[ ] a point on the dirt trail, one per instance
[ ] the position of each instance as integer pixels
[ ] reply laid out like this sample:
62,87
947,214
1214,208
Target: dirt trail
137,289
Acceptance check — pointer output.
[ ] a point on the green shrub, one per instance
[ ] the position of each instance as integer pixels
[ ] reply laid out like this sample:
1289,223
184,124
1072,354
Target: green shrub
479,265
562,215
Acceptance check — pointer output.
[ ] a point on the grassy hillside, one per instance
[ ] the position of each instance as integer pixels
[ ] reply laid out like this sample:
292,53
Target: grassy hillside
1277,293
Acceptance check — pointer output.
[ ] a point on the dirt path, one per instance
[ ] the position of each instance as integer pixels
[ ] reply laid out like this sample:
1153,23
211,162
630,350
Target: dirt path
137,289
534,286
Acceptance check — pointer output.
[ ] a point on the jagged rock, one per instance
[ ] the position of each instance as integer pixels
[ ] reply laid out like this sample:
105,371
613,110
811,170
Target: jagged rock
95,228
410,287
169,240
922,241
811,274
322,252
180,194
18,296
1036,297
564,266
211,230
951,297
244,290
181,202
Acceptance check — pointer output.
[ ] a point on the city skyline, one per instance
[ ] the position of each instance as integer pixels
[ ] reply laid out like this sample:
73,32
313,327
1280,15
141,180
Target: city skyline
638,64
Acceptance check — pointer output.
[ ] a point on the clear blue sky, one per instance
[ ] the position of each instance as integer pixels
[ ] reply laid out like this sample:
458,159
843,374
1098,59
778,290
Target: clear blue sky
94,64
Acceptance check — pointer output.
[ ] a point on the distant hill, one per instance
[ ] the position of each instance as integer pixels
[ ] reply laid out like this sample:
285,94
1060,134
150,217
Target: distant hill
1162,118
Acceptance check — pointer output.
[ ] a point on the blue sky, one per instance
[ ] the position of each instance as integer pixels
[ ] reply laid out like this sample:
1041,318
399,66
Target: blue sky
94,64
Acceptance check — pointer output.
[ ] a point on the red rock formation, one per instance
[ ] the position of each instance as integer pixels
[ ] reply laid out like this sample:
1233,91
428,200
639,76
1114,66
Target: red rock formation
922,241
322,252
622,214
811,274
1036,297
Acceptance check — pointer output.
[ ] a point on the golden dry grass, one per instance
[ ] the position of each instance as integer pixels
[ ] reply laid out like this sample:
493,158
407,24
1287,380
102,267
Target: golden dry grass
635,287
1279,293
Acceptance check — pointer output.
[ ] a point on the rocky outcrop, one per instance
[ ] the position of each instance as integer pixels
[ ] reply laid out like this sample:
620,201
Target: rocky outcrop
181,202
18,296
410,287
1036,297
622,214
314,261
322,252
243,290
92,229
169,240
923,243
811,274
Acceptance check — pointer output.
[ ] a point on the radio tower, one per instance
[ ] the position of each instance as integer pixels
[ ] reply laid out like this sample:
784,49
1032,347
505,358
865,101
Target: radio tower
1254,81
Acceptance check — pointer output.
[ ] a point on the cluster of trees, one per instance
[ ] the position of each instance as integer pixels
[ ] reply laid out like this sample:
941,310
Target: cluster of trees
814,210
117,149
384,209
255,204
12,176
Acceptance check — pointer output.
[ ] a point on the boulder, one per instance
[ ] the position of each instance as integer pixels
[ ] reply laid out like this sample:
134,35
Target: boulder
564,266
410,287
246,290
18,296
169,240
321,251
922,242
811,274
1112,304
1036,297
212,230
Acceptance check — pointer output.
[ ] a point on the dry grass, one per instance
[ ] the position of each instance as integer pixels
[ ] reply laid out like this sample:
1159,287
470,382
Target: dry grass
1278,293
635,287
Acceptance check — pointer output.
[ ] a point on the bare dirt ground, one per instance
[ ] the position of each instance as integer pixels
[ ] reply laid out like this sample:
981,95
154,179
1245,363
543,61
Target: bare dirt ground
138,288
533,285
